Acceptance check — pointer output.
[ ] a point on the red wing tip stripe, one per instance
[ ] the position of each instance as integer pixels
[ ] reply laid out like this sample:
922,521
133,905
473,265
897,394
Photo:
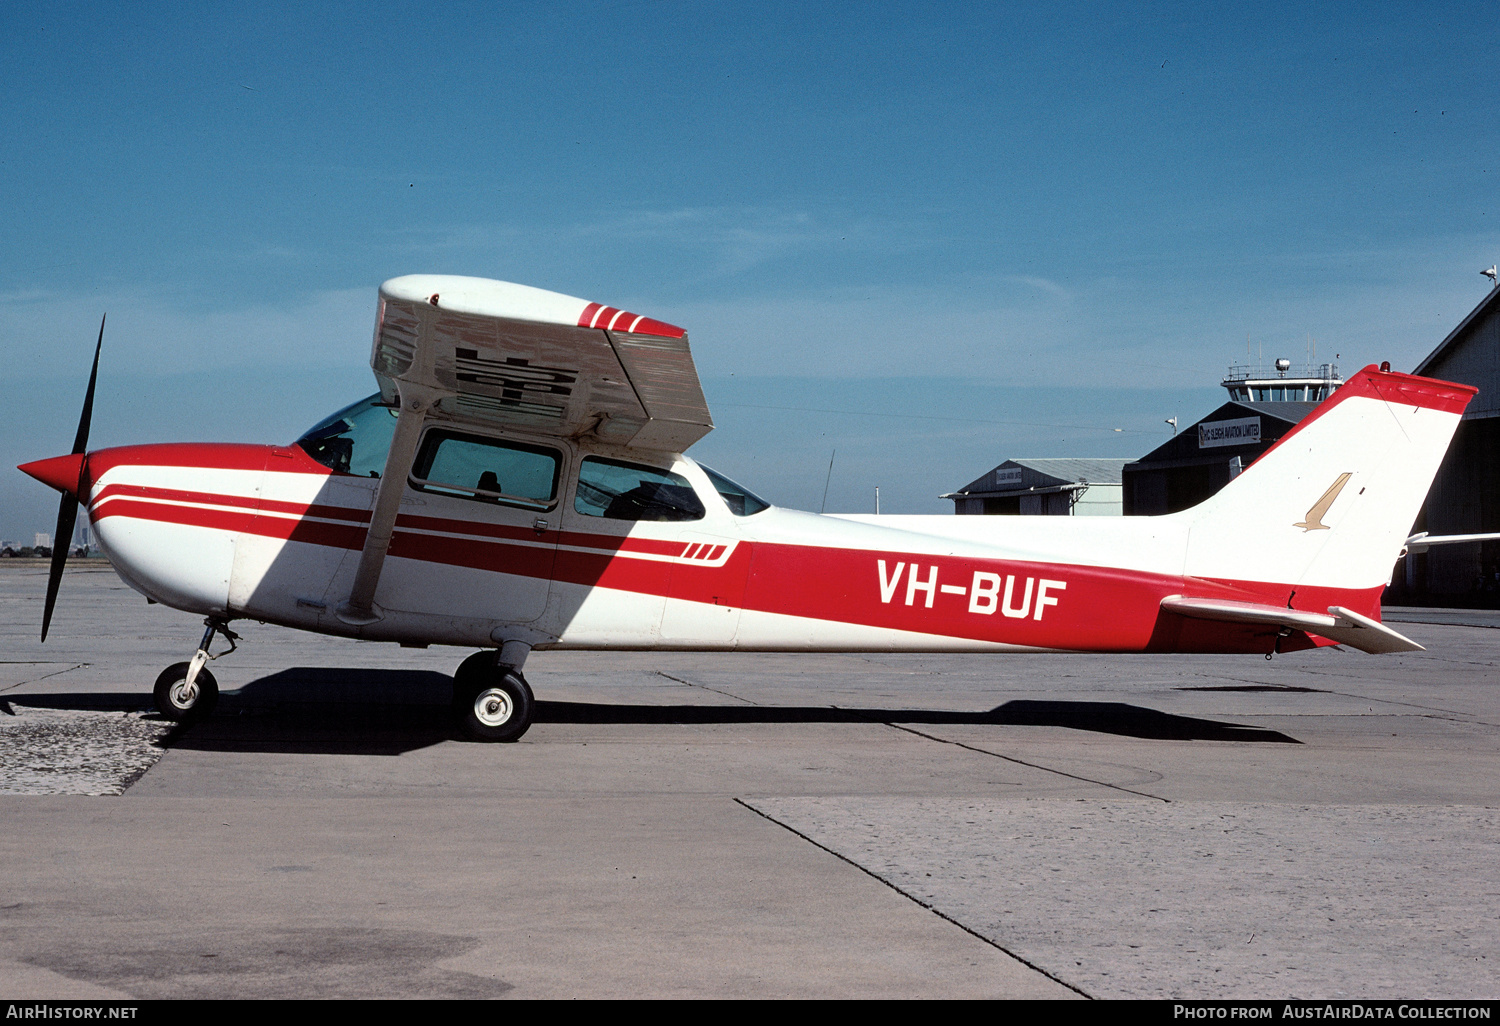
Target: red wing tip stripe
610,318
661,329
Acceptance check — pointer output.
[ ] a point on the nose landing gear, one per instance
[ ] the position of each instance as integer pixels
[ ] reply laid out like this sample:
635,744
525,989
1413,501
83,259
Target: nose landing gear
187,691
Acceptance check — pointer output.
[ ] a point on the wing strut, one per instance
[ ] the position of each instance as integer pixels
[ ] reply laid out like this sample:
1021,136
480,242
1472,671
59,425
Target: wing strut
415,402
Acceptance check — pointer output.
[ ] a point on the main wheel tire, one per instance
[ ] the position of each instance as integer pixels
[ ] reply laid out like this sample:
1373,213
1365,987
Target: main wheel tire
478,666
491,703
176,702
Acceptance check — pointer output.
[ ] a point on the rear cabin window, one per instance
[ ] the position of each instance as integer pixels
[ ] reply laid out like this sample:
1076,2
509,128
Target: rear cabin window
629,491
487,470
742,502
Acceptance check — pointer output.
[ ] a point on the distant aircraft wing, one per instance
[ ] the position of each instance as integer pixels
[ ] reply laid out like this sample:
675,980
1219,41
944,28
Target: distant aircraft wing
1340,625
541,361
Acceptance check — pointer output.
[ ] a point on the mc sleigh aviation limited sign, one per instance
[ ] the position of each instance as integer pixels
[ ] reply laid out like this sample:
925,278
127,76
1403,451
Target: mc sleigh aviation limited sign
1245,431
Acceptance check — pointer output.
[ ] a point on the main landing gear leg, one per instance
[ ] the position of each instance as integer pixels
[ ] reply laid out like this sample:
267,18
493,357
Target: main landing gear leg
187,691
491,700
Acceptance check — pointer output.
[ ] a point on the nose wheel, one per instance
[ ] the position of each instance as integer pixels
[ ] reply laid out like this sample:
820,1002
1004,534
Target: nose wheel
179,699
491,701
187,691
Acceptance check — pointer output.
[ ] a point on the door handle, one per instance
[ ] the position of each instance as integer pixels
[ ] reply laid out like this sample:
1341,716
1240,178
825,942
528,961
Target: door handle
539,525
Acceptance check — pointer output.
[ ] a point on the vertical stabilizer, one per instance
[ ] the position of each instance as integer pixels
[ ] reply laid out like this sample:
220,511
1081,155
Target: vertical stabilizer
1330,505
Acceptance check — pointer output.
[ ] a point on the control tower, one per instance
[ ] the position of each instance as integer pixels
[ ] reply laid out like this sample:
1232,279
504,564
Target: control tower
1281,382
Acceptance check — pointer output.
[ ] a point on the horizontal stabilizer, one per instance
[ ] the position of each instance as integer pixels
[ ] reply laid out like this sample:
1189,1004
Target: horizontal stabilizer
1339,625
1422,541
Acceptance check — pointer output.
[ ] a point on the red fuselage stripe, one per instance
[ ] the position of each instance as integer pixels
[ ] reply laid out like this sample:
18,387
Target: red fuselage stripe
1046,605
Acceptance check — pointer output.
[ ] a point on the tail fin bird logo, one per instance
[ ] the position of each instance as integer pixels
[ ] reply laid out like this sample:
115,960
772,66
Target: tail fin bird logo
1314,521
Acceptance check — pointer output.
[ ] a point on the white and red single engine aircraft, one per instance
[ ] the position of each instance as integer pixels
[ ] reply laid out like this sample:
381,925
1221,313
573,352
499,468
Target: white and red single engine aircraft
518,483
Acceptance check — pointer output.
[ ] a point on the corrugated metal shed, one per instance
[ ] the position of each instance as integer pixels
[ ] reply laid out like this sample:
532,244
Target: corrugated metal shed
1048,486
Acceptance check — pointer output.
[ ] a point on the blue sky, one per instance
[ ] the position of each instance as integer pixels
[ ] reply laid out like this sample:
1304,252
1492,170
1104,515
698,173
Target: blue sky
971,232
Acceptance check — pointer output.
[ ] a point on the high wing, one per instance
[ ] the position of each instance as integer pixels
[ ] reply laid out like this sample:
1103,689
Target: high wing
509,354
477,351
1340,625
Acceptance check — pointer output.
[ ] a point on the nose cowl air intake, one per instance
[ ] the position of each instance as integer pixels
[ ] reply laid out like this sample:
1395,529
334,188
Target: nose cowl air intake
60,472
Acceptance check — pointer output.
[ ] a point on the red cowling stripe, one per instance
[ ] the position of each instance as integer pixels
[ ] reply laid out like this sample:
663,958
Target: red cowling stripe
410,521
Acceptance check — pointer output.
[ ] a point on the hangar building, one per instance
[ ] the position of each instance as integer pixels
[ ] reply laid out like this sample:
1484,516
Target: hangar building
1465,496
1198,462
1056,487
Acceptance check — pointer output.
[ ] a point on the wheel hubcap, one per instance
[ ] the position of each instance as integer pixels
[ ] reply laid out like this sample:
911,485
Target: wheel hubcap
184,695
493,707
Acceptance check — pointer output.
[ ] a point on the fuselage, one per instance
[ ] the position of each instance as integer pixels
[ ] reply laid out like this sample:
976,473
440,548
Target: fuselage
272,534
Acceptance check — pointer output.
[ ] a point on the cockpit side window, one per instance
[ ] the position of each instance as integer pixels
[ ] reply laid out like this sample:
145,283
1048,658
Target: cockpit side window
628,491
487,470
354,440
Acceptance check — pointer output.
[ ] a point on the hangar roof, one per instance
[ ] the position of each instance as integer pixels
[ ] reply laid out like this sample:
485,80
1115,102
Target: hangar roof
1034,475
1187,445
1471,355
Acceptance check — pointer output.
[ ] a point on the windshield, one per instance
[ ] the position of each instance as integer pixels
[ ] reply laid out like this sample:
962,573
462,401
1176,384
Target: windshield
354,440
742,502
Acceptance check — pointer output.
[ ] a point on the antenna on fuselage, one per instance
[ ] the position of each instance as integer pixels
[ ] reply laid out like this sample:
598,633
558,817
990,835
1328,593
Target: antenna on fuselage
827,479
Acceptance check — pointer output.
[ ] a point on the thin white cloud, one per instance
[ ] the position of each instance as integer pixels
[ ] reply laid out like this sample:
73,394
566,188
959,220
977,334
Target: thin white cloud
1044,284
716,241
53,333
1113,334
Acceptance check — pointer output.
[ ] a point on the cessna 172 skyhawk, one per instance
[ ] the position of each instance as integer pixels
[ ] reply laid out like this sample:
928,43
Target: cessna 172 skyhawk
518,482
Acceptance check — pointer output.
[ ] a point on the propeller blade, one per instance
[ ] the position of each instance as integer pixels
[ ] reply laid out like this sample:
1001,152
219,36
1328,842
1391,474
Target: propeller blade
67,509
81,440
67,513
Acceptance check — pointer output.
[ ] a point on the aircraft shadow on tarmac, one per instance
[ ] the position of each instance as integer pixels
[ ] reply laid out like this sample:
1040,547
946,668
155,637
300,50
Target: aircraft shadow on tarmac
387,712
